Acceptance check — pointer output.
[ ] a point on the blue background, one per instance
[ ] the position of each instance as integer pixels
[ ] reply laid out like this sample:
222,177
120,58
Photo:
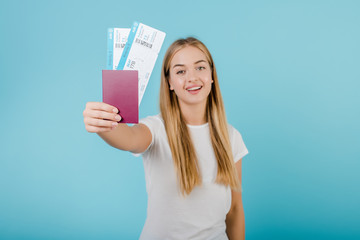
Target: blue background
289,73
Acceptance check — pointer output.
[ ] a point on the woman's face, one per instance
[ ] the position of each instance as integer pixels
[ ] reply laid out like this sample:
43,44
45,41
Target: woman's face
190,76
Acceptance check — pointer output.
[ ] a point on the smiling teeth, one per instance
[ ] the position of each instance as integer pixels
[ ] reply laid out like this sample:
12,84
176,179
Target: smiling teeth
194,88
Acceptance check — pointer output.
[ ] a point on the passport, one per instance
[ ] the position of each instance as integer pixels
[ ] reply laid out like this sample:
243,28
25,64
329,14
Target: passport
120,89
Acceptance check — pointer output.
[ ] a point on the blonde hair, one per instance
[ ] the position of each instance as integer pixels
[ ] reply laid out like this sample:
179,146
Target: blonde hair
182,149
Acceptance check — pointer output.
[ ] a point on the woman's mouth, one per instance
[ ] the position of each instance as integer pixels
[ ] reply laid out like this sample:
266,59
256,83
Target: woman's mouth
194,89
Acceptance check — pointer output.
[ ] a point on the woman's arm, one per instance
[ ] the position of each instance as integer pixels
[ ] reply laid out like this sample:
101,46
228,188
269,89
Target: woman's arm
235,219
135,139
102,118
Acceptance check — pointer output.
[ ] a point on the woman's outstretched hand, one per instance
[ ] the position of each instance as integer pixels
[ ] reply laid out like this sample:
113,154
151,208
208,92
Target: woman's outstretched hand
100,117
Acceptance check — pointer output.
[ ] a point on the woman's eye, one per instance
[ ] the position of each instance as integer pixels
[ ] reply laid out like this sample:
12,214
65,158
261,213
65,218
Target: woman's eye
201,68
180,72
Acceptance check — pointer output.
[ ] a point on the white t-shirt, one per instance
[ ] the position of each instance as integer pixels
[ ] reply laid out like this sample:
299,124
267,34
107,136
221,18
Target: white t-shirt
202,213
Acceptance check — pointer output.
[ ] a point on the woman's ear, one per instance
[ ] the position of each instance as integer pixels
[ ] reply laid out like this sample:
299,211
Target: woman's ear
171,87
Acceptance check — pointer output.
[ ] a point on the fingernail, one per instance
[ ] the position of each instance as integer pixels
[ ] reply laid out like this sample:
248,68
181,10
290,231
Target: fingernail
114,124
117,117
115,110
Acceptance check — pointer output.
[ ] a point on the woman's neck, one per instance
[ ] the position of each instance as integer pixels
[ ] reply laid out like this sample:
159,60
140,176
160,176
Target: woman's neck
194,114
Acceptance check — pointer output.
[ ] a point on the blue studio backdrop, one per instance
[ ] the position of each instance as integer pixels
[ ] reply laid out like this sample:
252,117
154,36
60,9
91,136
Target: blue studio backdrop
289,75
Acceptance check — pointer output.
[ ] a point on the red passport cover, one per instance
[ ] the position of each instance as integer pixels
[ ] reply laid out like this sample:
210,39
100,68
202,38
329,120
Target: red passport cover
120,89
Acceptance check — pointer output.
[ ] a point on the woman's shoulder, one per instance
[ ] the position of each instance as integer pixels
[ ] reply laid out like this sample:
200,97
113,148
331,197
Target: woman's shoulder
234,133
154,121
156,117
232,129
237,143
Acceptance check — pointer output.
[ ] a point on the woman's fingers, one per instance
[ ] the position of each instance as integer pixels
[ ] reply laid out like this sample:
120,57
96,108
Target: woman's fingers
102,115
101,106
99,122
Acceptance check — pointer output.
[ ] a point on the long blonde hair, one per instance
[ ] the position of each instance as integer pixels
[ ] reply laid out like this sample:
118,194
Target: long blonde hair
182,149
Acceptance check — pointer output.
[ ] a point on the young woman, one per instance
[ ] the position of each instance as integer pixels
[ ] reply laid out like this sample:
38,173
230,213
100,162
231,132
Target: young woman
192,156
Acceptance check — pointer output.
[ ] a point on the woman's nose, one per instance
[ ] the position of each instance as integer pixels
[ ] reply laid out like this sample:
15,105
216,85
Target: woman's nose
192,75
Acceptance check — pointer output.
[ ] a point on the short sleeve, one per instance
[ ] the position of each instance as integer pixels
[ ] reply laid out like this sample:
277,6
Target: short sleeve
237,144
152,122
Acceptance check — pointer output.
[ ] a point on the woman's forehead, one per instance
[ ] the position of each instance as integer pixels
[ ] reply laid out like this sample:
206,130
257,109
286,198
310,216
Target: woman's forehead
188,55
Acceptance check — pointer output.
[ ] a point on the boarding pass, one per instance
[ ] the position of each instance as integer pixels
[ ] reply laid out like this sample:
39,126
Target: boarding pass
117,38
140,53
